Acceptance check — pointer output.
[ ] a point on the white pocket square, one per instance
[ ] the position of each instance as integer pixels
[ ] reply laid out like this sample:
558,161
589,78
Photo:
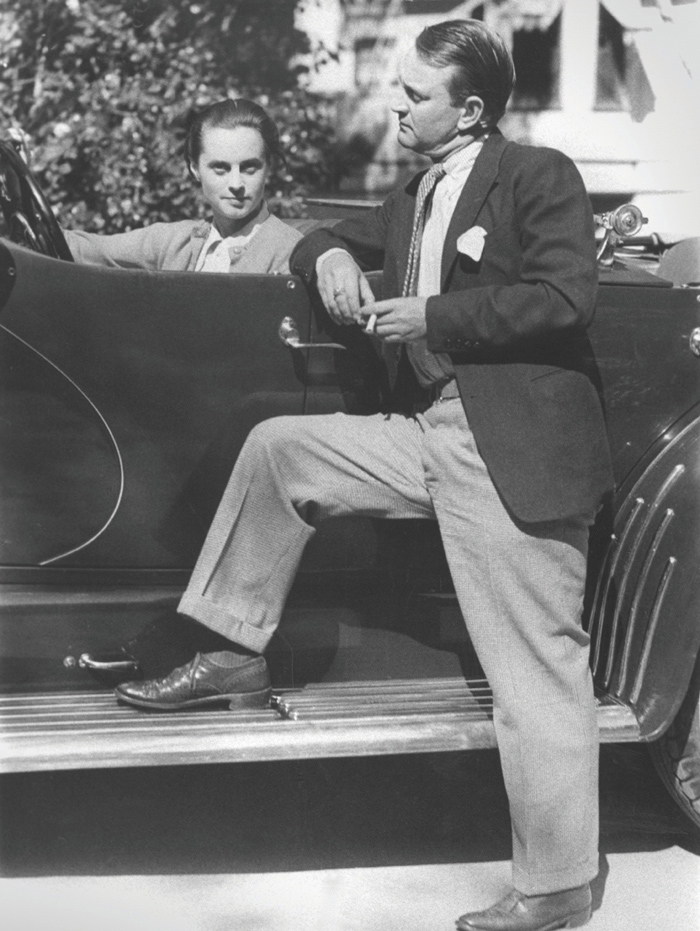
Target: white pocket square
471,243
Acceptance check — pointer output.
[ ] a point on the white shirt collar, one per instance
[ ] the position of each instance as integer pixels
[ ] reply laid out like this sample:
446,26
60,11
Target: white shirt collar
458,165
244,234
211,257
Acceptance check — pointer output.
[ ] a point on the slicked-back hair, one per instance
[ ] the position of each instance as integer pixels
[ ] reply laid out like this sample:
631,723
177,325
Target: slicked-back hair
483,64
230,114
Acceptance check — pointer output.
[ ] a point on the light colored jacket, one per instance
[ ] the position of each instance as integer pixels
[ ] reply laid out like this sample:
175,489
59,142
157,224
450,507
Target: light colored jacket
176,247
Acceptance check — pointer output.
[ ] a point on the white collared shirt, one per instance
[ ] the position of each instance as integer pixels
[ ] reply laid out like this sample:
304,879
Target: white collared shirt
458,167
219,253
435,367
431,367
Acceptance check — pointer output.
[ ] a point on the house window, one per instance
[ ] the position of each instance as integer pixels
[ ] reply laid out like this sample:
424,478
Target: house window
537,61
372,60
611,80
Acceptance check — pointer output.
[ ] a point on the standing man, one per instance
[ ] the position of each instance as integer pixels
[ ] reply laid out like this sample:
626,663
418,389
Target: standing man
489,283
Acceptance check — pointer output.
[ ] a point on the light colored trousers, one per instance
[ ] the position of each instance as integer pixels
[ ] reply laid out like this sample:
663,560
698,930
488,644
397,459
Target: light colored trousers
520,589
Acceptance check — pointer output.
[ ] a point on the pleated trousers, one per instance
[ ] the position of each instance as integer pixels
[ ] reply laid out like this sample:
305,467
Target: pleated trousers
520,589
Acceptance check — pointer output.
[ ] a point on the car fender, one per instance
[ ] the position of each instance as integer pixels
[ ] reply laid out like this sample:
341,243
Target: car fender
646,608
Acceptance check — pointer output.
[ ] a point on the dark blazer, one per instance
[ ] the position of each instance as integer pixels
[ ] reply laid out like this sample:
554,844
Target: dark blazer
514,322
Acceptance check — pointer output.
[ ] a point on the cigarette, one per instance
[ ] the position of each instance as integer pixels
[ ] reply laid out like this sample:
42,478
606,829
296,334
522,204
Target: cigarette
371,323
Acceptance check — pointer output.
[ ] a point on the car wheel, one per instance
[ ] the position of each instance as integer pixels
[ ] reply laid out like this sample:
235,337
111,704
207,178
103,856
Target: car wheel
676,755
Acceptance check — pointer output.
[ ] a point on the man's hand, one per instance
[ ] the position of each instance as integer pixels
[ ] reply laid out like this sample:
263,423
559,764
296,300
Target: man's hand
399,319
343,288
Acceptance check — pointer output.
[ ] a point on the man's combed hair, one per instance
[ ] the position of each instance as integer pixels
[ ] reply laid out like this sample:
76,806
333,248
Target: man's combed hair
483,63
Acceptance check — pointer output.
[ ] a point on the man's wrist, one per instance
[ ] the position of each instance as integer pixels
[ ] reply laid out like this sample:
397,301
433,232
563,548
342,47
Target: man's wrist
336,250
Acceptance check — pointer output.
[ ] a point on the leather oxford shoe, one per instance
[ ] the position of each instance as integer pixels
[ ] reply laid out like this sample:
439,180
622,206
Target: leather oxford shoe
570,908
201,683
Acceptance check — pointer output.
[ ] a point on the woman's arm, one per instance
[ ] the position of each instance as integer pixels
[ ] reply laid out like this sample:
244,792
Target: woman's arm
161,246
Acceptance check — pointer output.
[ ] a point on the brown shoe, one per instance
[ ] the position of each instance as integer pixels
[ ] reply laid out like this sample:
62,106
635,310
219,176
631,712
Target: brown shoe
200,683
570,908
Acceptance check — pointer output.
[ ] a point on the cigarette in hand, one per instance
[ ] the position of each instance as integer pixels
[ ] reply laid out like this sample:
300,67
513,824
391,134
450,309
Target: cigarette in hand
371,323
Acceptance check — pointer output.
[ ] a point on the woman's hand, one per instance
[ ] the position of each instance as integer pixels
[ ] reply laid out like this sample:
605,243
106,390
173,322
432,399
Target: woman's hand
343,288
398,320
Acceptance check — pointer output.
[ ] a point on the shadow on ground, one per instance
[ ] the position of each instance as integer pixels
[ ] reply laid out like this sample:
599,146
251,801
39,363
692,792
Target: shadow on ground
306,815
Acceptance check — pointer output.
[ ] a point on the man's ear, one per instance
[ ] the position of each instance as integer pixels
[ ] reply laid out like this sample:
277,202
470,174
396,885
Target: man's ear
472,113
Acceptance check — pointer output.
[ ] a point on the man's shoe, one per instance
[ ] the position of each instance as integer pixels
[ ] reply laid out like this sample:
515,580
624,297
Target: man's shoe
517,912
201,683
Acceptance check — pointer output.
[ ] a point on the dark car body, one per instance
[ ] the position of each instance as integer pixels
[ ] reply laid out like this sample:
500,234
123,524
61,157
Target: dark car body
125,397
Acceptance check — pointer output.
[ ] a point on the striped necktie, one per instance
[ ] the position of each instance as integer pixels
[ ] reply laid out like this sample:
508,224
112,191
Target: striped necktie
425,189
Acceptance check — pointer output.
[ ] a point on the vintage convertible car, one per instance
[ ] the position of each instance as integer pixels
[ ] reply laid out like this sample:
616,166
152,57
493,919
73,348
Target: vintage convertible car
125,398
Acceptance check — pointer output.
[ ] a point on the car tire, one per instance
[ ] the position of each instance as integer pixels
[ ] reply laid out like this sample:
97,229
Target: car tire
676,755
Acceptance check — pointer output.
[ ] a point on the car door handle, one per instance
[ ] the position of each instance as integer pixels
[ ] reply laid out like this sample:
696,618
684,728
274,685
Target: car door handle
289,334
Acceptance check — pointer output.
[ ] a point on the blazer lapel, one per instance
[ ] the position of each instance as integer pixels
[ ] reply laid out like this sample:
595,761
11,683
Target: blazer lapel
476,189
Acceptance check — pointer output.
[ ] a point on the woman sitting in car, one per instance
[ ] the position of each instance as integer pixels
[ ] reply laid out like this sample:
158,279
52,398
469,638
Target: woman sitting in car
230,148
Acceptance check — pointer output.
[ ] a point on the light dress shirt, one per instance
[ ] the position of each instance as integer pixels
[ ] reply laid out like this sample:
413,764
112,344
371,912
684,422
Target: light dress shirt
220,253
432,368
437,367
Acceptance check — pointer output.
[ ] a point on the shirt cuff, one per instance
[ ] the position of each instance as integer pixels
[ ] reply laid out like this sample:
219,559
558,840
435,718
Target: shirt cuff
324,255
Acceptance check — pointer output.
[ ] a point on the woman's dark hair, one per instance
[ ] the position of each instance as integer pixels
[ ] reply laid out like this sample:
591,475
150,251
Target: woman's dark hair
230,114
483,63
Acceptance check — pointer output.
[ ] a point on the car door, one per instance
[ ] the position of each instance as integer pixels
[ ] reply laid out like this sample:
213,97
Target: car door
125,397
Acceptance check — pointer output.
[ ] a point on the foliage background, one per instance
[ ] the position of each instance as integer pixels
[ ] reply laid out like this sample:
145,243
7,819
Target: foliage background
104,88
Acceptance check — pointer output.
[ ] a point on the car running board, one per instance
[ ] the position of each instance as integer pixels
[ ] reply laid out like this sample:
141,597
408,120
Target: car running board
91,730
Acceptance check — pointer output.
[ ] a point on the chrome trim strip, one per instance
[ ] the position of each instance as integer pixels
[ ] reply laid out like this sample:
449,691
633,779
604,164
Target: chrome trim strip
652,508
112,438
635,511
651,630
632,619
614,559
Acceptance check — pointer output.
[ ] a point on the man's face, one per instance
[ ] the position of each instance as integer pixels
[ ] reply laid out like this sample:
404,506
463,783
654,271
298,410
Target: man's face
429,123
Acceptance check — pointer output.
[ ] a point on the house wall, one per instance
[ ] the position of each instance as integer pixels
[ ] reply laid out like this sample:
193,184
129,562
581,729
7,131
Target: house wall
621,97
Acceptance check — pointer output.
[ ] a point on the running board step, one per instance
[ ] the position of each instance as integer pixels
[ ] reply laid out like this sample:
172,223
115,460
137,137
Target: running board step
90,730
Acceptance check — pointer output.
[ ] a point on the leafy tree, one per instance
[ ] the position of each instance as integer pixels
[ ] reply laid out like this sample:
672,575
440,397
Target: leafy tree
104,89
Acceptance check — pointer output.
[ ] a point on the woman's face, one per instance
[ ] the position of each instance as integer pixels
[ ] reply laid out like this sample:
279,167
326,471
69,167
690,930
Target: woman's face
232,169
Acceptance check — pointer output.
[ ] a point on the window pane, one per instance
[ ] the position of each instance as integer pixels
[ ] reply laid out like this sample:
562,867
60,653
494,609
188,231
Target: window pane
611,81
536,58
